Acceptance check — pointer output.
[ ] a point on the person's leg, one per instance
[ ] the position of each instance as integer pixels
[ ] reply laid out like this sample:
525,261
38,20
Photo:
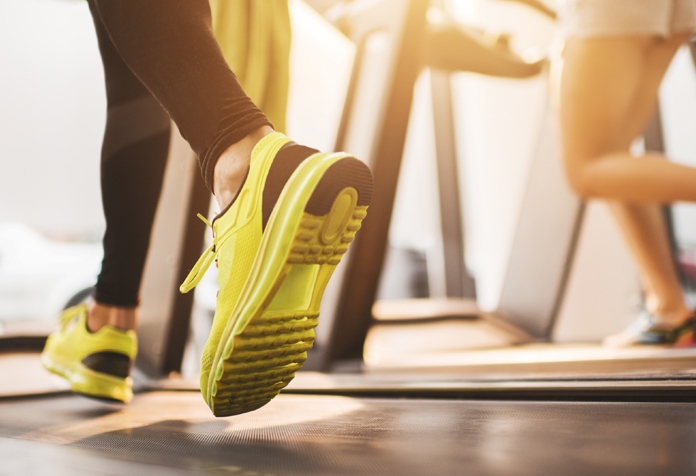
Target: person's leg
644,230
643,225
171,48
95,347
134,155
280,236
601,80
643,62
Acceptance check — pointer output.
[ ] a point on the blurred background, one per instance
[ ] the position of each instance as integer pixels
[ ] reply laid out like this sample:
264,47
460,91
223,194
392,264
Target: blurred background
52,115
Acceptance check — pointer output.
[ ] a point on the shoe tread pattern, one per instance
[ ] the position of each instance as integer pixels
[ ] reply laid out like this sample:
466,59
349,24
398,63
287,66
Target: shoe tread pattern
274,345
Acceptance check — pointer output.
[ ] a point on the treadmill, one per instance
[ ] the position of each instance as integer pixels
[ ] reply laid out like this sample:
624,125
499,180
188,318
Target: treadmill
407,419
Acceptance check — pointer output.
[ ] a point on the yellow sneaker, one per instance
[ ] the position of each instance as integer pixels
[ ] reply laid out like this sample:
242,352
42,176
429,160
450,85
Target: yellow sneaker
97,364
272,280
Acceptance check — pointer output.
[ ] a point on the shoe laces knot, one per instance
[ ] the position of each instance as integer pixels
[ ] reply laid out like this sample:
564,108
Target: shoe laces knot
67,316
198,271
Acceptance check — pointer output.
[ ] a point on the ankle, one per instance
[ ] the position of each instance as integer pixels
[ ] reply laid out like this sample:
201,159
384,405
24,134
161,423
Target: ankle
669,315
233,165
100,315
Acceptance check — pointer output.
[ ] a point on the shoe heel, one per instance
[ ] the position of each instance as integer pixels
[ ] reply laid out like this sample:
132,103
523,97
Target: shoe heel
346,173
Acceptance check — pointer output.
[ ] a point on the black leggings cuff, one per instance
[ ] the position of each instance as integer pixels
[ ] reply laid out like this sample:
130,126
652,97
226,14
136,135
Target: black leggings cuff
114,299
227,137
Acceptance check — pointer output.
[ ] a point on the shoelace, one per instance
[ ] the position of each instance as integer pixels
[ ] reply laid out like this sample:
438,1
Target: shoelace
69,315
198,271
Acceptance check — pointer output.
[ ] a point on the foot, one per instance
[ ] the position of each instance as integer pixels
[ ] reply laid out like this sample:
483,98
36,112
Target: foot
276,247
97,364
649,330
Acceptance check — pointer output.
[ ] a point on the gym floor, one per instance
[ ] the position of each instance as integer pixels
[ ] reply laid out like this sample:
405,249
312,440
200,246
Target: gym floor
173,432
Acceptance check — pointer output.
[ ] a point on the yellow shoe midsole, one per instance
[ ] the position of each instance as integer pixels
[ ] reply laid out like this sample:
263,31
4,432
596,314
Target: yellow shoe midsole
88,382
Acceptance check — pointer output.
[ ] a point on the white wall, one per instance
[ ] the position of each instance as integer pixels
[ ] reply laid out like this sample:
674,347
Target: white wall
51,117
321,62
498,123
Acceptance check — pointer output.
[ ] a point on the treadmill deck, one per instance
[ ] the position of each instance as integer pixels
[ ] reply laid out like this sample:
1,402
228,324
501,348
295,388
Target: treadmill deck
172,432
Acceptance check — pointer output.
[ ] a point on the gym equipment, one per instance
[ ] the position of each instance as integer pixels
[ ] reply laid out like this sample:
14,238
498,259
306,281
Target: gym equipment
403,421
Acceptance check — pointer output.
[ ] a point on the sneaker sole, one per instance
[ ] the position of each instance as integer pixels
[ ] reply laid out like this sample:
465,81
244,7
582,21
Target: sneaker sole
91,384
272,327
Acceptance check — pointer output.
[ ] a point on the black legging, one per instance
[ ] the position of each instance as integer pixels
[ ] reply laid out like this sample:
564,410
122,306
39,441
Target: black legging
164,50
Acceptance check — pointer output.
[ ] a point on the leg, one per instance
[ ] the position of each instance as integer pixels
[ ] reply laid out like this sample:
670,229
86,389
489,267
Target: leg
134,155
170,47
643,225
614,127
644,229
602,79
279,237
96,353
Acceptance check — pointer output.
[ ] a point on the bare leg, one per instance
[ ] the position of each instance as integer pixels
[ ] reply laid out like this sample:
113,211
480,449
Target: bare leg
602,80
643,225
99,315
644,230
616,105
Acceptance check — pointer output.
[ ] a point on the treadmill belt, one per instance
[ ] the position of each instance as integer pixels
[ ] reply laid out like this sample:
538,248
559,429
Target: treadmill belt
169,432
